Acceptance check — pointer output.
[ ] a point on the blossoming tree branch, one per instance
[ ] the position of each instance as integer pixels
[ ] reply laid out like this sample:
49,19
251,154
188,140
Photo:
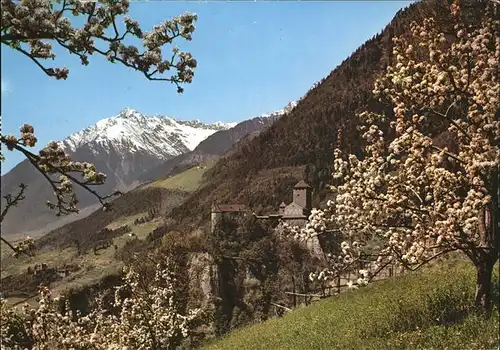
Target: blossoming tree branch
138,317
31,27
411,197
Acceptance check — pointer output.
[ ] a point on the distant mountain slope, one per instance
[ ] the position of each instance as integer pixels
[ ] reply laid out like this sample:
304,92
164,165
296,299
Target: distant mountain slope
161,196
137,201
124,147
216,145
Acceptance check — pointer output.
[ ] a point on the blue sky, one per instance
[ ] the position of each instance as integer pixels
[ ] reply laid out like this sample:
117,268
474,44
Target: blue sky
253,58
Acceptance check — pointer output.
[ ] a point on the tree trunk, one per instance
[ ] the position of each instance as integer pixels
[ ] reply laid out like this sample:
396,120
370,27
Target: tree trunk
482,300
487,255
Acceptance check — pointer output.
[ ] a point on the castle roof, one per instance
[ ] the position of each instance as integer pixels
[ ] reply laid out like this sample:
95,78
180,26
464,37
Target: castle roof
294,211
228,208
292,206
301,184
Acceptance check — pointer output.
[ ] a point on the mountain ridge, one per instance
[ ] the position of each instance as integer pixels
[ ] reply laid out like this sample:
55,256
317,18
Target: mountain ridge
125,147
217,144
130,125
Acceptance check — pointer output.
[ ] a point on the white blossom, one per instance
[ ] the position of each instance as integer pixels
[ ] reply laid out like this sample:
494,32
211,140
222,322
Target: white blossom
416,198
146,319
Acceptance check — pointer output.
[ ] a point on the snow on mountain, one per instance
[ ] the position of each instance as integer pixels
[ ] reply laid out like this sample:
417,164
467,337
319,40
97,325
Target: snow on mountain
132,131
160,136
224,126
279,113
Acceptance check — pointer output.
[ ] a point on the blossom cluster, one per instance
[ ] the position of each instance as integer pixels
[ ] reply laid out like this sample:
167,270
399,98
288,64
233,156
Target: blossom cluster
342,262
52,160
146,319
28,26
26,246
412,197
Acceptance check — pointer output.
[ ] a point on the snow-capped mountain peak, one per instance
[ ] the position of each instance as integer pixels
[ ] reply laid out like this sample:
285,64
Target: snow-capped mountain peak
133,131
159,136
280,112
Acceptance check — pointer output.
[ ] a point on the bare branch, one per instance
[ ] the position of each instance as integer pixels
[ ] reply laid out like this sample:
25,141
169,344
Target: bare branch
34,160
13,202
445,116
451,155
374,274
8,244
49,71
422,263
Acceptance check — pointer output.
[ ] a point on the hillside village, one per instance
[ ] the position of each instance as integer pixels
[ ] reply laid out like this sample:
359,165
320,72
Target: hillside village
362,215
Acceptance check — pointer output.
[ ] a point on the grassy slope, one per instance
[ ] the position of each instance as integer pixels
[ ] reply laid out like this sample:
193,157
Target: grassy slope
188,180
105,263
162,195
95,267
393,314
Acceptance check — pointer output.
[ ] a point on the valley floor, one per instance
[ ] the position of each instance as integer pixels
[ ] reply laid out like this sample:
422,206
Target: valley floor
429,309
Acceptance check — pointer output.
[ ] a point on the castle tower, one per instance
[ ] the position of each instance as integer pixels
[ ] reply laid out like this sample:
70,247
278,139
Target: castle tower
216,217
281,209
302,195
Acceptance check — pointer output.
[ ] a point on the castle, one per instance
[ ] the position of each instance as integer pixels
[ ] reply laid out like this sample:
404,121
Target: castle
294,214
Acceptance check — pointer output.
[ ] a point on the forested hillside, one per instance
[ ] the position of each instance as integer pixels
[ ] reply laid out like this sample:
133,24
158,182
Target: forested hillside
300,145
